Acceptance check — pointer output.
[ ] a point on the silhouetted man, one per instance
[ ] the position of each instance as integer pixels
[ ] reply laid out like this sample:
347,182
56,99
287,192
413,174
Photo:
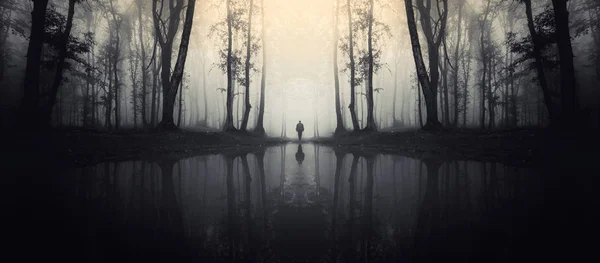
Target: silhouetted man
300,129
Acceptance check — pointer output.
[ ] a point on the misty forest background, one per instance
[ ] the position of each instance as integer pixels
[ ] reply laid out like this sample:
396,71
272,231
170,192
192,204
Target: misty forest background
262,65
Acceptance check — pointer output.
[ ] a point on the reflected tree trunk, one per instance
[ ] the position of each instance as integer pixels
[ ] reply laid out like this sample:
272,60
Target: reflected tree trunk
260,159
171,220
429,213
282,176
232,211
367,218
248,210
351,210
339,160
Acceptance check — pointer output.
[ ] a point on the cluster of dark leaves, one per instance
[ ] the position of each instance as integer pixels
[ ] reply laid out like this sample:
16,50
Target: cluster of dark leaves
54,27
239,27
360,26
545,26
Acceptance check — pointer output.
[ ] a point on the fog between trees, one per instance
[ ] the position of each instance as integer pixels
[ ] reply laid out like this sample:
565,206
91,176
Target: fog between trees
122,64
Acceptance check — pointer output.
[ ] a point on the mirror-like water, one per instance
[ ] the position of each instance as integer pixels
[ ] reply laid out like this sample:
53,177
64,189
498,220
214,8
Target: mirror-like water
306,203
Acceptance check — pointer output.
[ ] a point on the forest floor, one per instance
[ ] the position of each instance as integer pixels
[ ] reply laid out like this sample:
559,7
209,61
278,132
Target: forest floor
511,146
521,146
83,146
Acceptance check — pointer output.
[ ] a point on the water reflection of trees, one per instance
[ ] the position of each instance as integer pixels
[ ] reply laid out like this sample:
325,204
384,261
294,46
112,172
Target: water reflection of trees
370,208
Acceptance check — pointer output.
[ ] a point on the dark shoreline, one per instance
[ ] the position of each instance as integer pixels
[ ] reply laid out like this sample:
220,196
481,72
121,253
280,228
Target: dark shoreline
79,147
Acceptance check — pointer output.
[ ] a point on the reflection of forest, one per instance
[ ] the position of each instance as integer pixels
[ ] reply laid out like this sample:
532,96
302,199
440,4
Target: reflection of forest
361,208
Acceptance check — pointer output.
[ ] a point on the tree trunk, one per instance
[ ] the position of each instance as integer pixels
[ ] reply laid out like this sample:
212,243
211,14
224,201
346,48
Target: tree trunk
153,110
204,91
29,115
370,104
491,99
395,90
420,107
428,86
229,117
108,101
88,81
568,83
143,64
539,64
467,75
180,109
484,59
133,67
260,129
170,90
3,40
115,64
445,84
352,106
456,61
94,92
248,107
339,127
507,62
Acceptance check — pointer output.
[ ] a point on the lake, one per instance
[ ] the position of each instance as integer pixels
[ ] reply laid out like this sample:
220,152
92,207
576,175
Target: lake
307,203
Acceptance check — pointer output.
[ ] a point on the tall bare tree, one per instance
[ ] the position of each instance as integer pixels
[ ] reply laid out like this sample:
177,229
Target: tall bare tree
248,67
228,126
568,83
484,27
260,129
539,61
352,106
370,104
144,69
339,127
58,75
166,38
29,115
433,34
456,61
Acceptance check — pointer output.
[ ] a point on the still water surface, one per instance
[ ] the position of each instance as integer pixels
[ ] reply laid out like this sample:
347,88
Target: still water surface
308,203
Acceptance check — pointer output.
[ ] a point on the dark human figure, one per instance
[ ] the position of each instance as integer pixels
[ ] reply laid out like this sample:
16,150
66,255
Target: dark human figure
300,129
299,153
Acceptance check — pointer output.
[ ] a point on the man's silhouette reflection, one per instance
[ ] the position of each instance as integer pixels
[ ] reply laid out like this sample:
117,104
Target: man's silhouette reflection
299,154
